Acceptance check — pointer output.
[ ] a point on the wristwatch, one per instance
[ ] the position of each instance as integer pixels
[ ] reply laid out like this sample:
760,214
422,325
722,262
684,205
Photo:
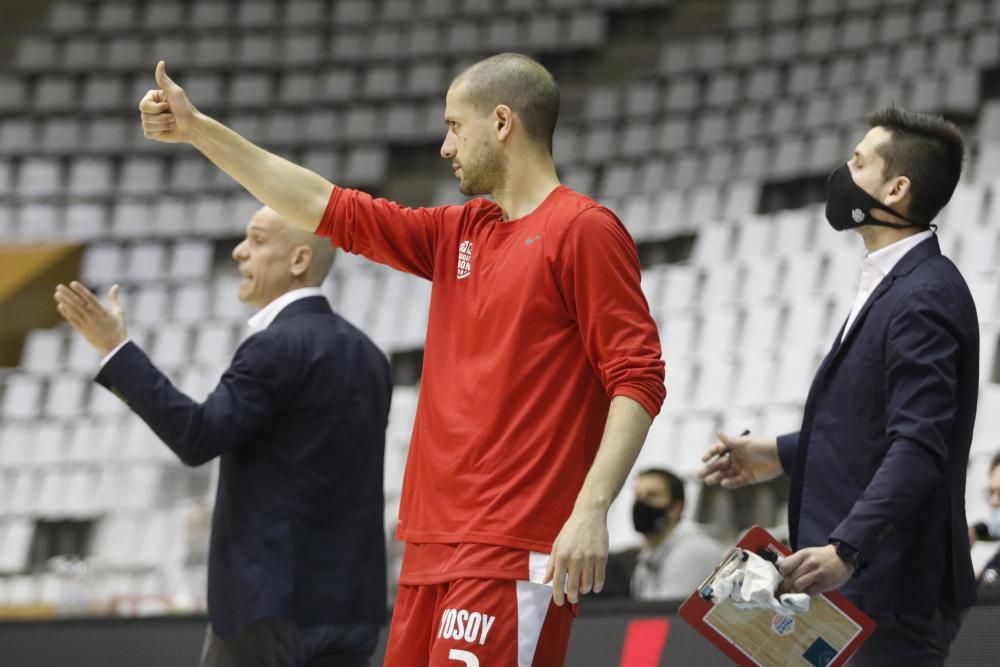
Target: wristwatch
849,554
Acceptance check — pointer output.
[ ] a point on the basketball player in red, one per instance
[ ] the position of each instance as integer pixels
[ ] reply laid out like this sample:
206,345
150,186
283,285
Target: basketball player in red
542,367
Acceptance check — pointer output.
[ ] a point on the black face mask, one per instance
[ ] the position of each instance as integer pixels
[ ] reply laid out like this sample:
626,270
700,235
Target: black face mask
648,519
848,206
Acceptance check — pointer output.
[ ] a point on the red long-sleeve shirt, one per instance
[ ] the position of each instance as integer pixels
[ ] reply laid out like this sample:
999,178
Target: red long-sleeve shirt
535,324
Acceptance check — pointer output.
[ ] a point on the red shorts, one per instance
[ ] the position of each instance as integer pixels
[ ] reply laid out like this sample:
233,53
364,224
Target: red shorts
478,623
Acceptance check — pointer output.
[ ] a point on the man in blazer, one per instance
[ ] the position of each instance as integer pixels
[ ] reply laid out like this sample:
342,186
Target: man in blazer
878,468
297,570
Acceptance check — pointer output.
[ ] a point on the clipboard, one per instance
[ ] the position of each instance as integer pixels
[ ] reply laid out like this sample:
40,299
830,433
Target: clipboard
826,636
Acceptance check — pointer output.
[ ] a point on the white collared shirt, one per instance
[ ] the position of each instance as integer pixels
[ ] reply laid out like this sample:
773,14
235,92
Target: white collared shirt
262,318
876,266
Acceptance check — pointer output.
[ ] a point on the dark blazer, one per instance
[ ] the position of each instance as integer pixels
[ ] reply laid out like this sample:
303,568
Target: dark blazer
298,421
880,461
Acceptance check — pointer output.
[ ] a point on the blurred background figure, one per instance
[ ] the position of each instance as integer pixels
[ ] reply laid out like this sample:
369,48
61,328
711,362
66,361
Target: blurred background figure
676,555
990,530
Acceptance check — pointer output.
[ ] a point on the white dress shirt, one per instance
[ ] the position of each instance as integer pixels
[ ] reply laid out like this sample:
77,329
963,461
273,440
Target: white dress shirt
262,318
876,266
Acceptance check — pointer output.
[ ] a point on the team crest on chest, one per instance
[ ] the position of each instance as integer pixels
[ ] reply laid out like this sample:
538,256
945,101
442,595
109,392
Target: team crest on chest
464,259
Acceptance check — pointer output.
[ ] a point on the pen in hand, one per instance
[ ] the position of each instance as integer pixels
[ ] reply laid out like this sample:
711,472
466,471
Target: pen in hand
727,451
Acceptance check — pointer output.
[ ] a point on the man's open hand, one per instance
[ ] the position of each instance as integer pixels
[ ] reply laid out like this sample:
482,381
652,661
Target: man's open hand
103,325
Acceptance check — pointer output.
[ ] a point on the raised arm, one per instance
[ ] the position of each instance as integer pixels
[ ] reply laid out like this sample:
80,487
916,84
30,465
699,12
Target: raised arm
296,193
401,237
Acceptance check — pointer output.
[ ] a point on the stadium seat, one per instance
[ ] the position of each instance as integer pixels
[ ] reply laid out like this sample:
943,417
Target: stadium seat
130,220
66,396
15,542
117,16
110,134
69,17
39,222
148,305
22,396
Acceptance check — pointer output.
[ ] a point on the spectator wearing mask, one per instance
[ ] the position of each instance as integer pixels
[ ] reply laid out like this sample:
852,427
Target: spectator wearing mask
676,555
990,531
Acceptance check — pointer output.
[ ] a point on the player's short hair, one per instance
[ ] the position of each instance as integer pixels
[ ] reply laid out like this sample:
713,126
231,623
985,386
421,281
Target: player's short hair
995,462
521,83
925,148
673,482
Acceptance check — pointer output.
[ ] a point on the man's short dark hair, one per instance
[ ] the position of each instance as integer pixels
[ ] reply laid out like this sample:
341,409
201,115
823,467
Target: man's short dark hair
673,482
521,83
928,150
995,462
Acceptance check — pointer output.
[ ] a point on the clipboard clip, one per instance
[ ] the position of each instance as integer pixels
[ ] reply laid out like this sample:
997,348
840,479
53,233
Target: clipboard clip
735,554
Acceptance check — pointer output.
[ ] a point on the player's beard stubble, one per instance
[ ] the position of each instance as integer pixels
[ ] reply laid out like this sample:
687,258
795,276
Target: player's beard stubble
482,172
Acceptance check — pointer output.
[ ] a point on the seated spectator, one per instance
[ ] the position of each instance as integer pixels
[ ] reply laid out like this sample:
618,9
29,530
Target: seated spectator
676,555
990,576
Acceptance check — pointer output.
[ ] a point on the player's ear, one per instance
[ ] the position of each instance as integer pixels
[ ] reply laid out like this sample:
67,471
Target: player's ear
503,121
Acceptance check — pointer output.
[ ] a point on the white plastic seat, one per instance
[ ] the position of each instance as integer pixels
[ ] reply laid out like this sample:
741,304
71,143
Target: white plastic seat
22,396
39,177
142,176
795,371
714,243
762,329
170,346
191,303
103,403
146,261
170,217
215,343
85,222
14,550
102,264
66,396
55,93
151,303
17,439
40,222
81,356
679,334
691,437
754,386
23,496
357,294
130,220
43,350
191,259
779,420
90,177
681,287
987,419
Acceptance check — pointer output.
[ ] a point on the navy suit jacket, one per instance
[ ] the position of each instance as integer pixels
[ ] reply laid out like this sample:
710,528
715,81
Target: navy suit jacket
298,421
880,461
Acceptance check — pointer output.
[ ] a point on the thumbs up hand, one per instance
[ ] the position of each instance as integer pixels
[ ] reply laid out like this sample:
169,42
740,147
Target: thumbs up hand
167,113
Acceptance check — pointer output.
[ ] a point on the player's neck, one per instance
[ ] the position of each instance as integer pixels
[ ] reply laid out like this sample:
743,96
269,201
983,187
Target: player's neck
525,187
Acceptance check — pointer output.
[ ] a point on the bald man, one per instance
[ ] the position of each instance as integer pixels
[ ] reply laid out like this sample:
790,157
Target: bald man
296,571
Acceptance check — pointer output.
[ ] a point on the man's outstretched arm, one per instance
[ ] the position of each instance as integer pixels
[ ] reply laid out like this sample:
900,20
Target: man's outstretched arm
296,193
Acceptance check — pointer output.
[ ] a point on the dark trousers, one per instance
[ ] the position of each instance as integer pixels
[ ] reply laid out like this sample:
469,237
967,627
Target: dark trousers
276,642
909,640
